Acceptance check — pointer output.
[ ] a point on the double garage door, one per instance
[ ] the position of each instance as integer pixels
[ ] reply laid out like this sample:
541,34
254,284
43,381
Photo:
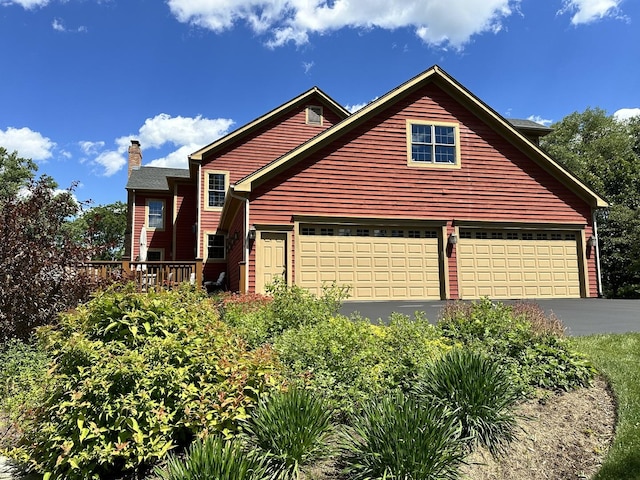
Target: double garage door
383,263
379,263
518,264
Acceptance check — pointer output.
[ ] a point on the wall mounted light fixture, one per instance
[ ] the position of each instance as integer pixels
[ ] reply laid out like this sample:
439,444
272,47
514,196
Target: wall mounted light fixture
252,232
453,239
592,241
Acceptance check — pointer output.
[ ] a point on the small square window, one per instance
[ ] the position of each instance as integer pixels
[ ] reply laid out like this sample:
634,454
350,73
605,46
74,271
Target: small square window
397,233
326,231
527,236
496,235
308,231
512,236
362,232
541,236
481,235
413,233
430,234
465,234
556,236
314,115
344,232
379,233
433,144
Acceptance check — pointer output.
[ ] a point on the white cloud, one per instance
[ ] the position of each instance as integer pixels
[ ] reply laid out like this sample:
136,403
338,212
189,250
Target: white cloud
59,26
27,4
626,114
587,11
111,161
540,120
27,143
181,135
307,66
436,22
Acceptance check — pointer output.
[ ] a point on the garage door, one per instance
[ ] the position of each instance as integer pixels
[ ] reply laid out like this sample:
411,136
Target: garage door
514,264
378,263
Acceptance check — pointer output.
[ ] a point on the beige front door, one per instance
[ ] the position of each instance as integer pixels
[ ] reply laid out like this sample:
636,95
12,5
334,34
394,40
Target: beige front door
271,259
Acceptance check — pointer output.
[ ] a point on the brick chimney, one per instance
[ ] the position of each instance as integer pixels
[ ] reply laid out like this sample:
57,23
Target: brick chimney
135,156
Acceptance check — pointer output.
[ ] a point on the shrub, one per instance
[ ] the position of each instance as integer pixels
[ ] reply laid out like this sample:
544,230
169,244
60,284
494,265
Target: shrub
23,379
215,459
479,394
529,347
135,376
291,429
341,359
260,319
396,438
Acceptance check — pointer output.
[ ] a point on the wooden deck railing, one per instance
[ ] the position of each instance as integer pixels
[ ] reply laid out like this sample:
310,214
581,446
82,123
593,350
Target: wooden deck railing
147,274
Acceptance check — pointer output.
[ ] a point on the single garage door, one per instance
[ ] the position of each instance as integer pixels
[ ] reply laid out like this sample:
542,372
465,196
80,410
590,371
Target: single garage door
379,263
518,264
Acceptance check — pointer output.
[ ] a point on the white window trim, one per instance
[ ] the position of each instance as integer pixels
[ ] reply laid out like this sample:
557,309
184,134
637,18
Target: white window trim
206,188
164,214
456,133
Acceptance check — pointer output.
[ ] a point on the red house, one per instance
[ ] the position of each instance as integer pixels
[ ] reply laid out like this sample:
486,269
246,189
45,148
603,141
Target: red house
425,193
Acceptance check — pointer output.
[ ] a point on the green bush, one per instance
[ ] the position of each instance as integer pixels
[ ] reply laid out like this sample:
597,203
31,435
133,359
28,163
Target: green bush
215,459
343,360
479,394
396,438
135,376
349,360
260,319
291,429
531,348
23,378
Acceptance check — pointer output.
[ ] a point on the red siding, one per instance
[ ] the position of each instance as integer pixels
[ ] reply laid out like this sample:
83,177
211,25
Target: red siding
185,221
261,147
236,252
155,238
365,174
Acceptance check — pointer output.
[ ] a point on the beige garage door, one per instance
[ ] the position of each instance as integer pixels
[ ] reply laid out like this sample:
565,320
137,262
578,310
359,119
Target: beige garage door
498,264
378,263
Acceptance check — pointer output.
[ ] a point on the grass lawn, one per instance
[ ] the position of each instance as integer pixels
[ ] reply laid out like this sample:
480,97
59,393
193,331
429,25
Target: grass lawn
617,356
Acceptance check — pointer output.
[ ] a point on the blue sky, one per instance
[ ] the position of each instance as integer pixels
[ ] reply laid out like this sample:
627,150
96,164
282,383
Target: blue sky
80,78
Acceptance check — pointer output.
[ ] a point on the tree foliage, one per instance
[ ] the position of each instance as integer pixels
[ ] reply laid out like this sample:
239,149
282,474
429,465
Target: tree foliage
605,153
38,278
102,228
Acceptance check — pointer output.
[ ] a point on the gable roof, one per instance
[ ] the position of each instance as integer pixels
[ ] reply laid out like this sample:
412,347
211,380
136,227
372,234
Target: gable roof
436,75
241,132
155,178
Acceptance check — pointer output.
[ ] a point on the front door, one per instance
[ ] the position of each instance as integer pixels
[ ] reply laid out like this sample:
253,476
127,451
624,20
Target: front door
272,259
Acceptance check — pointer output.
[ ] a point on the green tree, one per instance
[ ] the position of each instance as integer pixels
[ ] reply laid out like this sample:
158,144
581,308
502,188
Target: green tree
102,228
15,173
605,153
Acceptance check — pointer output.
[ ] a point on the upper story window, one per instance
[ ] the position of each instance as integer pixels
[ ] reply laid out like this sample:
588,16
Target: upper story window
433,144
314,115
217,189
155,214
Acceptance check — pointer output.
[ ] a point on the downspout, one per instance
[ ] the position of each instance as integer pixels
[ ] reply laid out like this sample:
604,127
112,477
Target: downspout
597,248
245,253
199,217
133,227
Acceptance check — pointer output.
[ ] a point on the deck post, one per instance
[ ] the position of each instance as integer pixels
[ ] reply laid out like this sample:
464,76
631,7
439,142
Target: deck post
199,268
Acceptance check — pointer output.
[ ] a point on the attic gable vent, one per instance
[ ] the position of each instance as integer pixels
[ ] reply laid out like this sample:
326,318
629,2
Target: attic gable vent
314,115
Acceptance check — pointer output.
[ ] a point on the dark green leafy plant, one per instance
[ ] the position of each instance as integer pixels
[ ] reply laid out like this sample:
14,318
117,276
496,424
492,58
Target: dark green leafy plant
532,349
479,394
291,429
396,438
215,459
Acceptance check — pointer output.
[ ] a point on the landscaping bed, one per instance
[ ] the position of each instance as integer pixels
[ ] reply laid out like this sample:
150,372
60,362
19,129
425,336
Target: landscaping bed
136,385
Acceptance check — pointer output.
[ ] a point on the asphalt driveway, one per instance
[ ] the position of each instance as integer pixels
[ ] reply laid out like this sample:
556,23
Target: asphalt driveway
581,316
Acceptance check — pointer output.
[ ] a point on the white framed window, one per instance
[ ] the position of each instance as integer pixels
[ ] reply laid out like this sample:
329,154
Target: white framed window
155,214
314,115
216,247
216,189
433,144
